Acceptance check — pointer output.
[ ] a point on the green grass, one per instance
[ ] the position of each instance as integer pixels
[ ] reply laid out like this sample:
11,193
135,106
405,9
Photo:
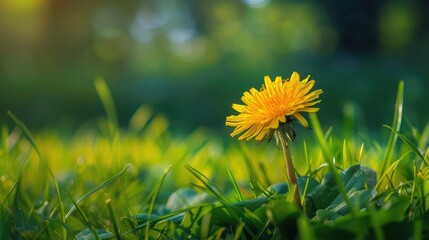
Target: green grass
142,182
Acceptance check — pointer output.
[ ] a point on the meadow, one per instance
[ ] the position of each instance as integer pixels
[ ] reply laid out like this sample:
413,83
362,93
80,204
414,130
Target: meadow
140,181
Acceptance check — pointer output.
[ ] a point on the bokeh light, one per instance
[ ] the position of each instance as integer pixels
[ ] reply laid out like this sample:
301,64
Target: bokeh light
189,59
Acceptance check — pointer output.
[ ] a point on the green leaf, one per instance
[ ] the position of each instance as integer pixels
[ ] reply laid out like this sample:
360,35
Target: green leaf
251,204
359,198
279,188
326,195
325,215
390,219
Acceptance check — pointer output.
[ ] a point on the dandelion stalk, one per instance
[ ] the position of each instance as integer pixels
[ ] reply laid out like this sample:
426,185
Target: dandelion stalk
282,136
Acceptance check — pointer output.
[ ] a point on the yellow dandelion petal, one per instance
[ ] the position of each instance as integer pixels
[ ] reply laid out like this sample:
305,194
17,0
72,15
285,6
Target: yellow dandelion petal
267,81
238,107
301,119
294,77
276,103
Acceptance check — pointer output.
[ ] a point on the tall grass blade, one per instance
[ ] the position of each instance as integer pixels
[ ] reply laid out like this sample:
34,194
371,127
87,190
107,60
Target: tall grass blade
140,118
10,192
26,132
392,169
346,163
157,189
361,152
108,104
263,230
396,125
237,234
332,168
424,137
5,141
307,159
255,181
30,138
409,144
102,185
234,183
169,215
15,185
113,219
264,173
208,185
84,217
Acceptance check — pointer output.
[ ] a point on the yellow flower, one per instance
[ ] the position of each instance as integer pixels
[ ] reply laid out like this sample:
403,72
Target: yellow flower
276,103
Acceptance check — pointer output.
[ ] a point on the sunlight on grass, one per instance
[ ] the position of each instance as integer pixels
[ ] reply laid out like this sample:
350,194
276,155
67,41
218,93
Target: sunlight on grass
143,182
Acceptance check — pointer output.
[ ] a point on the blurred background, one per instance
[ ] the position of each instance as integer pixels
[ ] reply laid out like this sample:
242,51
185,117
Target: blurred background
191,59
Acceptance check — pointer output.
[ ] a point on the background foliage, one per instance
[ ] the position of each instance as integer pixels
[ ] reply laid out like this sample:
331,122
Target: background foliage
191,59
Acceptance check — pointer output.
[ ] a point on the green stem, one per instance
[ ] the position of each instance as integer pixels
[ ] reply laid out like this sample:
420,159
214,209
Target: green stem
289,167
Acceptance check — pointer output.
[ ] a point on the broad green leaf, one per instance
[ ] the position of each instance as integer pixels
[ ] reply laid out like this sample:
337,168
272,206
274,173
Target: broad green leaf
327,197
359,198
279,188
251,204
391,214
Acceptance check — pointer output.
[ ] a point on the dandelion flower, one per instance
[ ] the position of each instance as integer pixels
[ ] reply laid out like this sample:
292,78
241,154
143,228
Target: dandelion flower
275,104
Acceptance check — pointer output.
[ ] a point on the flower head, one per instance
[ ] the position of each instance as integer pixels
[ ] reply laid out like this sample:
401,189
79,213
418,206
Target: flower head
275,104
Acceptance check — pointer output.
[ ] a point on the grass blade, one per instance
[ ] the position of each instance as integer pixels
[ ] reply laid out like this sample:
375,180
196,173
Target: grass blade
424,137
26,132
332,168
113,219
345,155
234,183
30,138
5,141
209,185
396,125
169,215
156,191
237,234
84,217
108,104
409,144
10,192
102,185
